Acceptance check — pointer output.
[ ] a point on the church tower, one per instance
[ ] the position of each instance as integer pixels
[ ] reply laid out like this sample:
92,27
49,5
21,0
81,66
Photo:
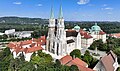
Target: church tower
61,34
60,25
51,30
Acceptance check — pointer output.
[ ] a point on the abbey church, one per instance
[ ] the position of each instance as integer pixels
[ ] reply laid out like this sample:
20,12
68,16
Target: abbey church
59,40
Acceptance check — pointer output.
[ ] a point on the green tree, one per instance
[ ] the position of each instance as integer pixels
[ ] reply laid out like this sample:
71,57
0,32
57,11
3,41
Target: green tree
76,53
4,36
118,69
87,57
58,63
74,68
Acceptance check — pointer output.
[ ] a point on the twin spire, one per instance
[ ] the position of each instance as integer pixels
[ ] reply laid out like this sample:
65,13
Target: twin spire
60,13
52,14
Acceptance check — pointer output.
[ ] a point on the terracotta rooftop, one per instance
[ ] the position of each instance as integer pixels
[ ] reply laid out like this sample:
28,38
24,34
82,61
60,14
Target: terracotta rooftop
102,33
11,45
18,46
87,36
33,49
65,59
82,68
82,32
68,60
115,35
77,61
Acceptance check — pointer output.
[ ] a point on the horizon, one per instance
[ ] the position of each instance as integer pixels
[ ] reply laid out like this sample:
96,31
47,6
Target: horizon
79,10
48,19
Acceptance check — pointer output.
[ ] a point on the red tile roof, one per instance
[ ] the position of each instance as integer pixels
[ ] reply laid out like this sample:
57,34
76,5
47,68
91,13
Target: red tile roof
11,45
82,68
18,46
85,34
25,42
115,35
102,33
65,59
33,49
82,32
77,61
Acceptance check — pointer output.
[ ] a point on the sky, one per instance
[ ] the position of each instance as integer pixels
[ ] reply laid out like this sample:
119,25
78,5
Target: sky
73,10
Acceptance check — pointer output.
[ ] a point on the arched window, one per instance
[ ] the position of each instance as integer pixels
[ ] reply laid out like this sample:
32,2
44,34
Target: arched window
57,48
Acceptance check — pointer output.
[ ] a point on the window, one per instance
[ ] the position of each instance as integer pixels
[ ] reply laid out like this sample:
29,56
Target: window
57,49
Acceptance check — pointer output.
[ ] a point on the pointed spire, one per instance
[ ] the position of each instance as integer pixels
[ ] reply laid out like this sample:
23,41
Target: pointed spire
60,13
52,14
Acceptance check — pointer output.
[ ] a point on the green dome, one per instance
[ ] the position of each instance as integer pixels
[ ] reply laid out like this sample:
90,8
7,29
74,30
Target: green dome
77,27
95,27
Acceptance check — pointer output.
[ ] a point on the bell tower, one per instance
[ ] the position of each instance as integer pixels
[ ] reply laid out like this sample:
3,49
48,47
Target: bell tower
60,25
51,30
61,34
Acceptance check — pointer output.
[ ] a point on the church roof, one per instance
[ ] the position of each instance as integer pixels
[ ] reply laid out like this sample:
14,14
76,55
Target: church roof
95,27
52,14
60,13
77,27
108,61
71,33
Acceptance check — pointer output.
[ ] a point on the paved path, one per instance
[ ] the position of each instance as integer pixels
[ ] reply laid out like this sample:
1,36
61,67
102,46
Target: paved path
102,53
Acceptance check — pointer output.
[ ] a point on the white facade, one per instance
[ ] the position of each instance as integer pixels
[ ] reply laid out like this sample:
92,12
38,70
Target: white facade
97,33
58,43
1,33
86,42
9,31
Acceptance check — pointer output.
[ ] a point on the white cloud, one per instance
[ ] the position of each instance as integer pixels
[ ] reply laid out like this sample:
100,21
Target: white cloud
39,5
107,8
17,3
83,2
104,5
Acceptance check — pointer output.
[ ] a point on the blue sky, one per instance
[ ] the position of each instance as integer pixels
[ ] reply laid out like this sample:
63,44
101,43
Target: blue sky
73,10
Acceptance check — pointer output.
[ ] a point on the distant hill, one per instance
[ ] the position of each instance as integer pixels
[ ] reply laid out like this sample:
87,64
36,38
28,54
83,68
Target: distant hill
23,20
30,24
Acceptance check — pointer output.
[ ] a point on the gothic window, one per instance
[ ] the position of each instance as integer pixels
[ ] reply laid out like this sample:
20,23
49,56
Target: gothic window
53,44
60,32
49,46
57,49
53,51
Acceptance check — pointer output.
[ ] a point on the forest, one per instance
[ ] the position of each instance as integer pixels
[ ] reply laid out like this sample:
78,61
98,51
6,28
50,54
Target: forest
33,24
